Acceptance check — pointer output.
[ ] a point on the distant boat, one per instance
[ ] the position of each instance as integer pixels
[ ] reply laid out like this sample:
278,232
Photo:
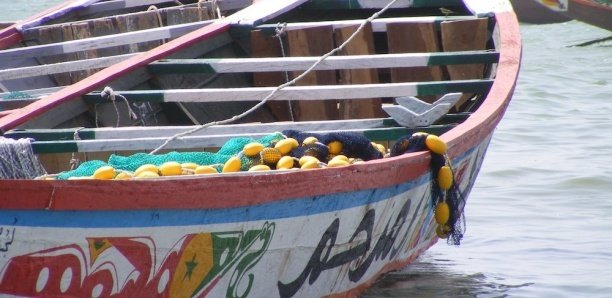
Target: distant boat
5,24
594,12
535,12
315,190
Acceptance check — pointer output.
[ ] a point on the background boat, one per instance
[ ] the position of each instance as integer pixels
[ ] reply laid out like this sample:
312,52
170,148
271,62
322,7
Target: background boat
274,233
534,12
594,12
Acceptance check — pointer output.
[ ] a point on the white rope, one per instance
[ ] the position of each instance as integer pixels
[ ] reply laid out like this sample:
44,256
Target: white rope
280,87
110,94
17,160
280,32
74,159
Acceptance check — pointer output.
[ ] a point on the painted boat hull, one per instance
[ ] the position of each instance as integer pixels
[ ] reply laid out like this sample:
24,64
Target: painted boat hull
587,11
591,13
311,233
305,247
532,12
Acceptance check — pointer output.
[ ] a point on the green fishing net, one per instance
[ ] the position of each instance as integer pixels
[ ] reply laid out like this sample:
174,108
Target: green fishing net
132,162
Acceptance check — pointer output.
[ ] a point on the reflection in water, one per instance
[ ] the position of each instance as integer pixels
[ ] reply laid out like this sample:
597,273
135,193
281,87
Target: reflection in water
430,276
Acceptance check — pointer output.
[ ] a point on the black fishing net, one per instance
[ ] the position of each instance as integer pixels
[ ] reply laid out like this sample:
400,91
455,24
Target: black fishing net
353,144
453,196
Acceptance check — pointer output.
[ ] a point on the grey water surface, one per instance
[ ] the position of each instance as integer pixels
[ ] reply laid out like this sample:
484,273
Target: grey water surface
539,219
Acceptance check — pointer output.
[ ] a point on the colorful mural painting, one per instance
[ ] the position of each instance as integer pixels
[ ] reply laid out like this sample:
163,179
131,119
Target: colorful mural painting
125,266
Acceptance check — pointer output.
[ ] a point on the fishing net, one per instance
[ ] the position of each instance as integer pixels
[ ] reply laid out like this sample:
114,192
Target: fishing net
130,163
17,160
353,145
454,228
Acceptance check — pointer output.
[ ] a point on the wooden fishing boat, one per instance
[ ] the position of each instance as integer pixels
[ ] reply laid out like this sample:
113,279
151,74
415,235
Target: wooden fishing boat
5,24
535,12
278,78
594,12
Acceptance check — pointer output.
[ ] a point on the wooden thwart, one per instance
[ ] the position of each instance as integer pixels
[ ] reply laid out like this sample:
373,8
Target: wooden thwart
102,42
208,141
307,93
354,62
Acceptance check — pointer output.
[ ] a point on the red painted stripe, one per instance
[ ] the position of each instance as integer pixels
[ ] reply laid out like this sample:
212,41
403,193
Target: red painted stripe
221,191
9,37
20,116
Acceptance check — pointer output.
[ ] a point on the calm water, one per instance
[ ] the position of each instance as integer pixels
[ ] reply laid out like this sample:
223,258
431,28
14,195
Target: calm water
539,220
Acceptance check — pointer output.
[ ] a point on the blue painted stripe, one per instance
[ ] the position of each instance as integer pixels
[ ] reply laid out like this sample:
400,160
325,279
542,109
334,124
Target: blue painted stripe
161,218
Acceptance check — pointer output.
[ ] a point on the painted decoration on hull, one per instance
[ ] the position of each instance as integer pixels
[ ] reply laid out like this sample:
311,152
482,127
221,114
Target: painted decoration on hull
124,266
364,249
556,5
338,252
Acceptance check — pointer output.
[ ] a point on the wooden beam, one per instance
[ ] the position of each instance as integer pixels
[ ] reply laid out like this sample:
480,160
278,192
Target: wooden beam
55,68
110,133
378,25
280,64
115,5
103,41
307,93
206,141
374,4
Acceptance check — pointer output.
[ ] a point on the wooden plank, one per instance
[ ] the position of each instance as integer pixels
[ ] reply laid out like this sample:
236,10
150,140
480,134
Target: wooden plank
50,35
363,44
414,38
274,66
139,22
206,141
464,36
115,5
168,131
315,41
187,15
109,133
376,4
81,31
263,45
304,93
378,25
103,27
126,38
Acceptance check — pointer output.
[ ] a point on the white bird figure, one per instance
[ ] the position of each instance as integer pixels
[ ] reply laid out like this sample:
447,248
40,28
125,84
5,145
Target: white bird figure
412,112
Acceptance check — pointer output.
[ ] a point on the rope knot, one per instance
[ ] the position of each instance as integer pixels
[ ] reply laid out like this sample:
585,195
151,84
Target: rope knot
280,30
